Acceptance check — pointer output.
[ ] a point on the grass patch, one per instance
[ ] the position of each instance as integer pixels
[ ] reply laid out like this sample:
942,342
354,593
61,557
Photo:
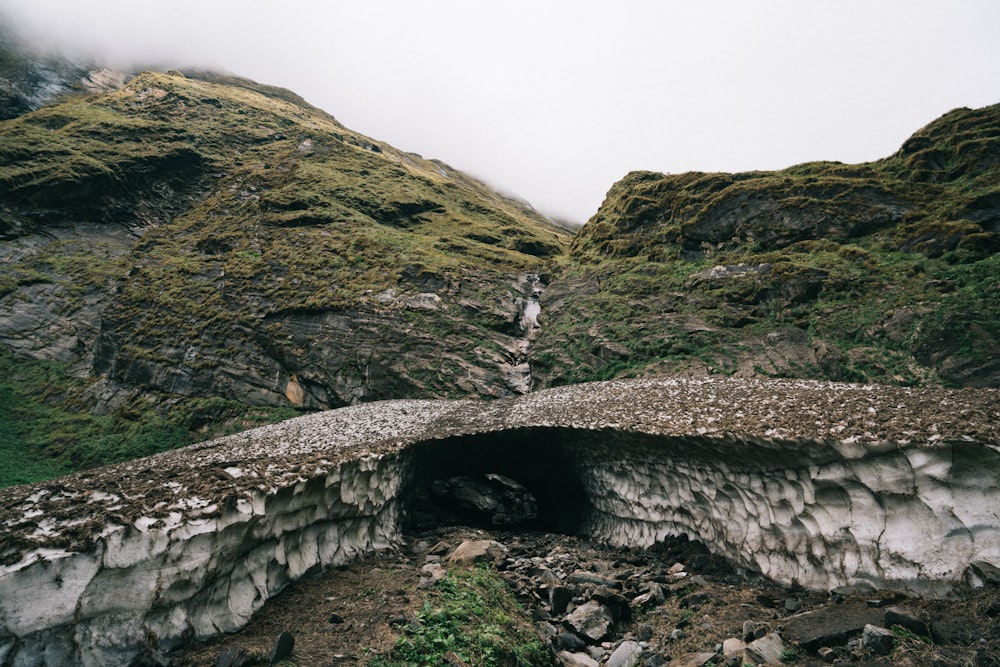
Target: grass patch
470,614
46,429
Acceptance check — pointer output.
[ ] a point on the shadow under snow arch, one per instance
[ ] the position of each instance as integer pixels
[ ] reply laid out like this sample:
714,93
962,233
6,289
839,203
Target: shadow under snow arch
809,512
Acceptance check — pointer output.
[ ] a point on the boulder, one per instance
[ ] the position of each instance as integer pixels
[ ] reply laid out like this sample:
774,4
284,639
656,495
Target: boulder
877,640
591,620
477,551
830,626
626,655
766,650
568,659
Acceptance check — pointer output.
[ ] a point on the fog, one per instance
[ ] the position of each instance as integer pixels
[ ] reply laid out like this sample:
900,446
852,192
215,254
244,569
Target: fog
555,101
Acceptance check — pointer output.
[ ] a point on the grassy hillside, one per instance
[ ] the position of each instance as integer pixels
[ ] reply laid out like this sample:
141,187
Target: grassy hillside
886,271
214,246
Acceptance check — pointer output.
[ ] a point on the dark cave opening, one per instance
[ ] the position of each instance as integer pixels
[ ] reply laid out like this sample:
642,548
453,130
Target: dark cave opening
543,461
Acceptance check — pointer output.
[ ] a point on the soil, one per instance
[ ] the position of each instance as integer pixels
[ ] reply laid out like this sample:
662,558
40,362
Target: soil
348,615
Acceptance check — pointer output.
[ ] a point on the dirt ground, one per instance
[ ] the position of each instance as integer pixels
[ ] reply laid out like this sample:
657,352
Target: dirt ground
350,614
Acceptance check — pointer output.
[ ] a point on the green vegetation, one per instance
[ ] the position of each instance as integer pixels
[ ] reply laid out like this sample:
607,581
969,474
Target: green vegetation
474,616
46,429
888,269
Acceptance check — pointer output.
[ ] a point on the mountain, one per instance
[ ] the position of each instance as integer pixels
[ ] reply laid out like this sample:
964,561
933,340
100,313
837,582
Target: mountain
190,249
880,272
188,254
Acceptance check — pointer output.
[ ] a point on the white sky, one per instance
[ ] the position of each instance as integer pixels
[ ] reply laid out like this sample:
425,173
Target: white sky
555,101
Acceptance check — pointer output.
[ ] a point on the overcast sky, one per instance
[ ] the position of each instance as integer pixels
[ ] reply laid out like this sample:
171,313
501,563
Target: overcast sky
555,101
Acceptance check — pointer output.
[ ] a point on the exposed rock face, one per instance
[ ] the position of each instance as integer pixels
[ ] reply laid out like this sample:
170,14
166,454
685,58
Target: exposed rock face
816,484
877,272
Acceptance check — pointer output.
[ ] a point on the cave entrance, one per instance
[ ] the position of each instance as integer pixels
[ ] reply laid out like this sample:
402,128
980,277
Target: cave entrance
541,460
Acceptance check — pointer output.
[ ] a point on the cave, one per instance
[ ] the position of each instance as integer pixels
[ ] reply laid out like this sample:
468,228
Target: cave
545,461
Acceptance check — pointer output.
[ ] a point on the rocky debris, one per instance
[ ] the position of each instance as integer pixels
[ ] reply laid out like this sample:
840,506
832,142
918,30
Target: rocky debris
499,499
729,604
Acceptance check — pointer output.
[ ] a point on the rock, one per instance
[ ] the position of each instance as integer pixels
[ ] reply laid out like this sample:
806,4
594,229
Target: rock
559,599
591,620
753,630
693,660
424,301
496,498
733,647
905,618
879,641
615,603
430,574
585,577
954,630
626,655
829,626
283,647
237,657
644,632
335,619
576,659
792,605
569,642
766,650
477,551
988,573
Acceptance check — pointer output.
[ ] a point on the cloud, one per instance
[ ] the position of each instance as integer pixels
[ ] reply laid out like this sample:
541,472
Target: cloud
557,100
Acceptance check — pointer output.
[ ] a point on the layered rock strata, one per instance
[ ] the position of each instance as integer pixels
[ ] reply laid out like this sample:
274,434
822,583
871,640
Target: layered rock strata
817,484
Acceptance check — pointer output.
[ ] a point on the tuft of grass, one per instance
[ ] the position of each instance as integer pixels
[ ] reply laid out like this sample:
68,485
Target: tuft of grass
470,614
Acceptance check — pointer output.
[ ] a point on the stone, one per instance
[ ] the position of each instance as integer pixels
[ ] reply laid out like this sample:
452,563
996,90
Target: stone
693,660
591,620
569,642
568,659
626,655
768,649
733,647
592,578
988,573
879,641
430,574
829,626
477,551
644,632
616,603
906,618
753,630
559,599
236,657
284,646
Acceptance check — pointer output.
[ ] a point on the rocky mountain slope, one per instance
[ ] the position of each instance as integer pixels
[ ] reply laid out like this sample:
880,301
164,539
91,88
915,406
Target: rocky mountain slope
190,249
886,271
186,254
